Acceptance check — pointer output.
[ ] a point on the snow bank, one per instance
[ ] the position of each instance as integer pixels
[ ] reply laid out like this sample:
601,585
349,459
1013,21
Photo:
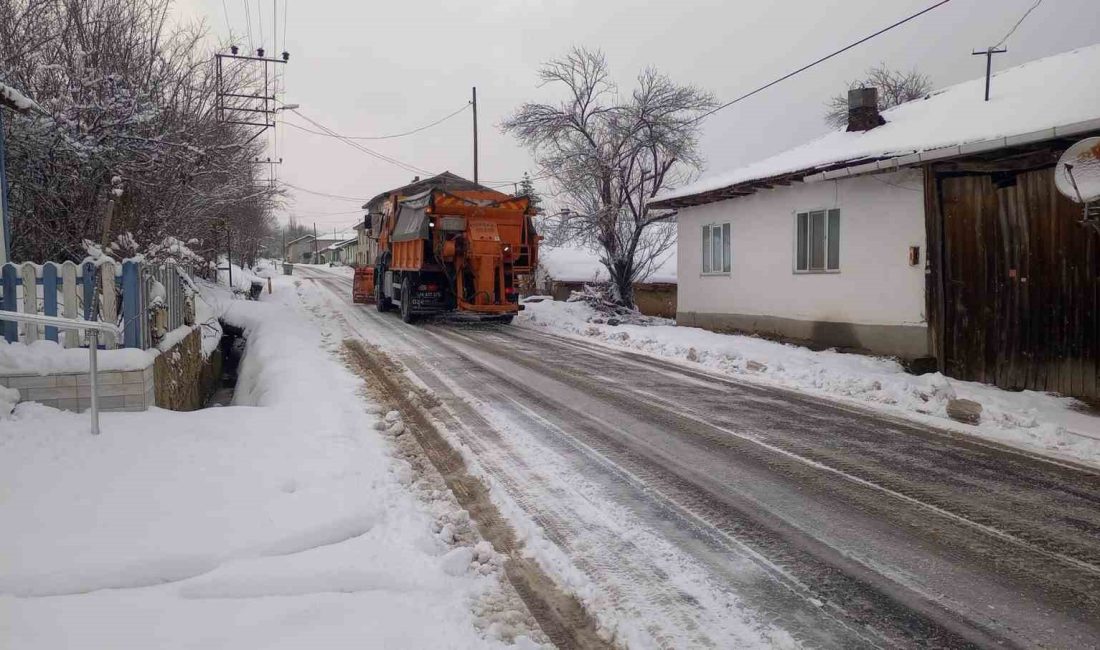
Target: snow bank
279,522
44,357
242,278
1042,421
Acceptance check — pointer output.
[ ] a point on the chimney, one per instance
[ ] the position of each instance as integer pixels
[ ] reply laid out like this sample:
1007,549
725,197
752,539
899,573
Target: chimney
863,109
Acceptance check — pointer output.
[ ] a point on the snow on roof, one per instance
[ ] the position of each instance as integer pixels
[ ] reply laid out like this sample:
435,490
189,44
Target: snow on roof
580,264
342,244
1056,91
11,97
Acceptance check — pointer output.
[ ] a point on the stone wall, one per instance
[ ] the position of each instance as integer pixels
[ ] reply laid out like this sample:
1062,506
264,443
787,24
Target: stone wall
184,379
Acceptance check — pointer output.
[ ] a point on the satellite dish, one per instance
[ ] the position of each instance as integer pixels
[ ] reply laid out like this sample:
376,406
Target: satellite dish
1077,174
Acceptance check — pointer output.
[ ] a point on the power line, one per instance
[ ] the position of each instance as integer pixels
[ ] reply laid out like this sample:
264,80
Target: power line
1018,22
260,18
248,22
821,60
328,214
326,194
356,145
228,29
389,137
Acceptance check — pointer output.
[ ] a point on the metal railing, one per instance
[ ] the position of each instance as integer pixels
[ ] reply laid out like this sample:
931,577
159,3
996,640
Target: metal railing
92,329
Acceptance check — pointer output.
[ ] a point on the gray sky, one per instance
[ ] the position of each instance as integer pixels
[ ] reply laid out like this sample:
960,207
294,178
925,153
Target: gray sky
376,68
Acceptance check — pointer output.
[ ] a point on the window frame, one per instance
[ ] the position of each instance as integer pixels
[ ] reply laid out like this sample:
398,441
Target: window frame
809,242
726,228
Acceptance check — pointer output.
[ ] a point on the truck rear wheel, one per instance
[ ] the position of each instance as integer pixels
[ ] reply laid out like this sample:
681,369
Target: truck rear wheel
406,300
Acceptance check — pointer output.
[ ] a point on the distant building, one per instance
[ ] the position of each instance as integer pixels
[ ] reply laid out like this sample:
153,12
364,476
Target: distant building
307,250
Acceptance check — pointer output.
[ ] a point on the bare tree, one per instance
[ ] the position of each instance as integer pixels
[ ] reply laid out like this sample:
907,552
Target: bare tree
894,87
606,155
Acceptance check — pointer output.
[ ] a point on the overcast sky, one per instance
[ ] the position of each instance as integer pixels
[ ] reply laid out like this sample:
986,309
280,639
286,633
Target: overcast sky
377,68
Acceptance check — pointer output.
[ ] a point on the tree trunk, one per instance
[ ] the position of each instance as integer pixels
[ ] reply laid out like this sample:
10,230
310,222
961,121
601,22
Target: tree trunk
621,286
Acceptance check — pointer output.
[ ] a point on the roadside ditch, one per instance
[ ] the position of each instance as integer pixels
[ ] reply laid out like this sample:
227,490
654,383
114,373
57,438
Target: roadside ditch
231,349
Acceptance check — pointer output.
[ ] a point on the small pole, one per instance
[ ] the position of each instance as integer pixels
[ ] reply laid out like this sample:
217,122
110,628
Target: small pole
229,253
93,373
474,102
105,240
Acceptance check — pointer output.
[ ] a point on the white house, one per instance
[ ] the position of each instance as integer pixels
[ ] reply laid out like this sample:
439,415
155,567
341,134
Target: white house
930,231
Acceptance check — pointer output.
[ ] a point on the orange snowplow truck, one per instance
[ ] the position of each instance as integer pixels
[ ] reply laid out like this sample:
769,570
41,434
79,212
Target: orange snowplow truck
455,251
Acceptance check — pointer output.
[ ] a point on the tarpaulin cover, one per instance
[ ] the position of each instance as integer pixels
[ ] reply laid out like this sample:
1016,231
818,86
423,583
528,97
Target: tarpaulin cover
412,219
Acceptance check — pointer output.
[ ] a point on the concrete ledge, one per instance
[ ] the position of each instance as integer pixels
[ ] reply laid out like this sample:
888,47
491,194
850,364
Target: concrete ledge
119,390
903,341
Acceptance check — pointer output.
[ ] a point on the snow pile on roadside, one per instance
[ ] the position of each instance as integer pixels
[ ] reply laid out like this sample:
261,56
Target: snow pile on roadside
242,278
280,522
265,268
1039,420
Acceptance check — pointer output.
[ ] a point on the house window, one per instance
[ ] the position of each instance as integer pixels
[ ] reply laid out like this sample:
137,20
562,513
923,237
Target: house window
716,248
817,241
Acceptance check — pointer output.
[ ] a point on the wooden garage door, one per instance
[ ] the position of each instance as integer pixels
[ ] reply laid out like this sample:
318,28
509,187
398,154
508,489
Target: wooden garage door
1021,284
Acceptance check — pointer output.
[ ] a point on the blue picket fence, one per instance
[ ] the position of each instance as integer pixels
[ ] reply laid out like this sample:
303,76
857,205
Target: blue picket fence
124,292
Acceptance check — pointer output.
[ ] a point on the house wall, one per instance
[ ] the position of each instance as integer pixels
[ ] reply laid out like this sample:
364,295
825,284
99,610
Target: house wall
875,302
365,249
295,250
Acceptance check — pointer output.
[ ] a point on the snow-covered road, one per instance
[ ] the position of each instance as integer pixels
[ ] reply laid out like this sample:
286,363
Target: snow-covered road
690,510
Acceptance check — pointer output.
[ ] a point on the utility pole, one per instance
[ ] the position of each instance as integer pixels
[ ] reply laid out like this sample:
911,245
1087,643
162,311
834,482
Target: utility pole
314,260
474,102
5,218
988,54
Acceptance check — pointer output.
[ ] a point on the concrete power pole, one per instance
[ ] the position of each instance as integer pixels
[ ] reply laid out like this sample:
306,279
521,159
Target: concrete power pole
474,102
314,260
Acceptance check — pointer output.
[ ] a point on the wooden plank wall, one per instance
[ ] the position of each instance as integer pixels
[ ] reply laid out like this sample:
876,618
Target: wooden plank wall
1020,284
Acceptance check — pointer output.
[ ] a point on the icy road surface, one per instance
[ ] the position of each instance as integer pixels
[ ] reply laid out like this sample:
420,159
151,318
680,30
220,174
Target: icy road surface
689,510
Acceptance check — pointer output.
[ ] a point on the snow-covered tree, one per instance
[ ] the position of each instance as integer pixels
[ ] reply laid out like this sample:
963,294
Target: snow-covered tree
130,130
606,155
527,188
